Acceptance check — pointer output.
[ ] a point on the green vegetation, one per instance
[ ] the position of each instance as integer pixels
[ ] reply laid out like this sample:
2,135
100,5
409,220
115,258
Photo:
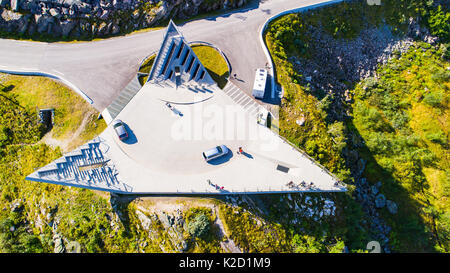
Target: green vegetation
71,110
214,63
203,235
31,211
249,233
400,122
255,234
198,226
20,154
403,118
145,68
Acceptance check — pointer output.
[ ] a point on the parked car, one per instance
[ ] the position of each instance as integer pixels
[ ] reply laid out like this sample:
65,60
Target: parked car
119,127
215,152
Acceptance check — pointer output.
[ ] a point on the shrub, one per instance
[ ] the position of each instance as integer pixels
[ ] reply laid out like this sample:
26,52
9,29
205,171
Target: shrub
433,99
437,137
438,23
199,226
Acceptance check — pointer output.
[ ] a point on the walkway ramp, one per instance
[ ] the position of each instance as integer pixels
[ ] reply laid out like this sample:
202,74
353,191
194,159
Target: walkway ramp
241,98
122,100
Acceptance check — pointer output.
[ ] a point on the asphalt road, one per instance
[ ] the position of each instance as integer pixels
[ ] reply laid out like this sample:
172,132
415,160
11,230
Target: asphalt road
101,69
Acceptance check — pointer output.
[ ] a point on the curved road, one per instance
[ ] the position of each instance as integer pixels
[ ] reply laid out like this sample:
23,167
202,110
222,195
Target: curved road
101,69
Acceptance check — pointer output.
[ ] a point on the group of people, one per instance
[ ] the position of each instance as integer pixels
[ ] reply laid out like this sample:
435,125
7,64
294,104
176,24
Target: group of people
302,184
215,186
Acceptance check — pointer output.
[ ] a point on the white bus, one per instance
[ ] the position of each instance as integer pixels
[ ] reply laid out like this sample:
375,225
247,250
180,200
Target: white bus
260,83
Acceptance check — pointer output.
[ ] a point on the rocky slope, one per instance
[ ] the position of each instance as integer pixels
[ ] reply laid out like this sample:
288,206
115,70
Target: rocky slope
75,19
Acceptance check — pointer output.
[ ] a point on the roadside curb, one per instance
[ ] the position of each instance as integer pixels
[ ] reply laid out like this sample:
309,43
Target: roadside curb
52,76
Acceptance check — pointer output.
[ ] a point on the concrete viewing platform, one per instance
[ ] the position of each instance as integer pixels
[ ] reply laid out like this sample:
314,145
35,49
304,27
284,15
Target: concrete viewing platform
178,114
163,154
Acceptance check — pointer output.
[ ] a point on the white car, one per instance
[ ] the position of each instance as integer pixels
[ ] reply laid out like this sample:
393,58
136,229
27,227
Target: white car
215,152
119,127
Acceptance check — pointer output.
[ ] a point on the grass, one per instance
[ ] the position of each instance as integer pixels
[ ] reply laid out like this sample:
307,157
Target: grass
414,173
417,147
71,109
214,63
145,68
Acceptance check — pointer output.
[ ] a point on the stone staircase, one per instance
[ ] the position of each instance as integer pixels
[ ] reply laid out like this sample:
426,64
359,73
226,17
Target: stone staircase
241,98
86,166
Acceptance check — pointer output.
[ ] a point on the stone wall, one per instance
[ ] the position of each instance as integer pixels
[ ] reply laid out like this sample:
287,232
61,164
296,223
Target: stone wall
77,19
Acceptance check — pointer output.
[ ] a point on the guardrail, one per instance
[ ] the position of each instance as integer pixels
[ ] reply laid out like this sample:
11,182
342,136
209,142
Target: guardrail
285,140
310,158
145,59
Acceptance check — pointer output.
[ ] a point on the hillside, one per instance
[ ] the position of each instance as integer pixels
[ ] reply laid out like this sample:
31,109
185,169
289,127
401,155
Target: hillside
373,89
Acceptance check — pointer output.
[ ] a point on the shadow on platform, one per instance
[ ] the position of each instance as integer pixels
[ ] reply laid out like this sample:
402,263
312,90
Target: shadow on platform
132,139
221,159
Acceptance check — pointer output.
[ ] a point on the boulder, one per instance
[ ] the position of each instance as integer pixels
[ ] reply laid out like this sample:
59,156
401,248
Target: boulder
380,201
84,8
197,2
59,244
66,27
102,28
4,3
104,15
135,15
73,247
391,206
15,4
115,29
16,206
146,222
43,23
374,190
55,13
8,15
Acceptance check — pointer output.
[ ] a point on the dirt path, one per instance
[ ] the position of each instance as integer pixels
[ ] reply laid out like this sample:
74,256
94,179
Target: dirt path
66,144
227,245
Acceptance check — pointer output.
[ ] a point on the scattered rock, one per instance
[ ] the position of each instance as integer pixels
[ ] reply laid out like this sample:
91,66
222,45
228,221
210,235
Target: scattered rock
59,244
374,190
58,18
391,207
73,247
380,201
146,222
17,206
